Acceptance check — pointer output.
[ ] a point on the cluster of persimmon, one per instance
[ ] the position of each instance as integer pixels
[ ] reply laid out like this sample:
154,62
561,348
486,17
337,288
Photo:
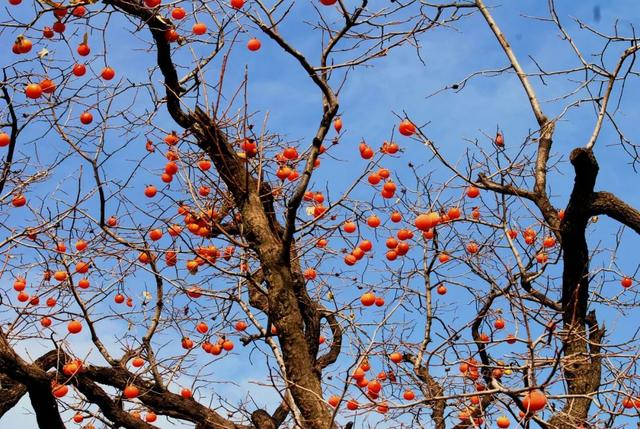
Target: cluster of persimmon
387,148
199,28
222,344
424,222
371,388
369,298
19,285
317,200
532,402
198,223
389,187
23,45
286,163
469,369
285,169
66,14
69,369
61,276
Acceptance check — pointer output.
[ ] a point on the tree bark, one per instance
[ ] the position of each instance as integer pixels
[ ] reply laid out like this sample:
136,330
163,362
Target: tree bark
581,334
37,383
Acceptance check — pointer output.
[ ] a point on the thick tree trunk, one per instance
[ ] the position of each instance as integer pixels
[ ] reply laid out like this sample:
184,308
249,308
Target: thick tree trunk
581,334
302,374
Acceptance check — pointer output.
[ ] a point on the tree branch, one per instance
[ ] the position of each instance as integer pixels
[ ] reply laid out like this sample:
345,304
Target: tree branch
37,383
109,408
606,203
607,94
506,47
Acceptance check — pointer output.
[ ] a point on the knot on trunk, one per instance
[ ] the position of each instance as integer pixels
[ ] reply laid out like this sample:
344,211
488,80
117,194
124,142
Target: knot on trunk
584,162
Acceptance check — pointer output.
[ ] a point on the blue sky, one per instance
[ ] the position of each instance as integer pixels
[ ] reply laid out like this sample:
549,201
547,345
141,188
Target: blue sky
370,101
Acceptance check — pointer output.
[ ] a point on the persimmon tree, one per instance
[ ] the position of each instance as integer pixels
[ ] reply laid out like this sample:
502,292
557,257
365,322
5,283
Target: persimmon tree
156,228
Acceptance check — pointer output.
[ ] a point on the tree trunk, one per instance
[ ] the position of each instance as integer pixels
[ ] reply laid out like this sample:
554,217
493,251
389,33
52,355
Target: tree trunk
581,335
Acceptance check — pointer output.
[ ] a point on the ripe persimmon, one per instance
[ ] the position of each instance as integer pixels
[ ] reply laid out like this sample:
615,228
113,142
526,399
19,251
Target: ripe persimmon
19,284
473,192
352,404
187,343
155,234
349,227
47,32
48,86
373,221
199,28
81,245
79,11
406,128
86,118
33,90
60,276
82,267
74,327
427,221
150,191
365,245
130,391
202,327
535,400
83,49
396,357
59,390
171,35
79,69
59,27
408,395
503,422
204,164
19,201
368,299
5,139
254,44
178,13
333,401
171,139
108,73
444,257
472,247
137,362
